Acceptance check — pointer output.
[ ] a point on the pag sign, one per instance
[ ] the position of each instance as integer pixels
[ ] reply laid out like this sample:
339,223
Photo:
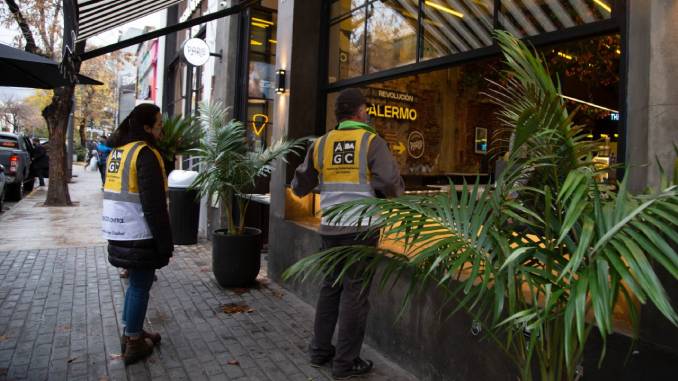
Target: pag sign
415,144
195,51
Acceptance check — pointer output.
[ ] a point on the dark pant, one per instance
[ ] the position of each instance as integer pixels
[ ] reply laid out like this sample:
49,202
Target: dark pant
346,302
136,300
102,172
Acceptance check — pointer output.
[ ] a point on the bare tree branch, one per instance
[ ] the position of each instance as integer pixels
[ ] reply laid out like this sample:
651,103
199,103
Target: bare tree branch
23,25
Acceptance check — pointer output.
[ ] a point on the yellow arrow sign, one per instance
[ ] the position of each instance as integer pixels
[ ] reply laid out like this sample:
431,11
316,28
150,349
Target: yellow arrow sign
258,129
399,148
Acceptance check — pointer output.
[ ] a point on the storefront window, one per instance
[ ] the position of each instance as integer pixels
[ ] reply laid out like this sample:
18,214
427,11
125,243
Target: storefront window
529,18
441,124
456,26
347,44
261,75
342,7
370,36
391,34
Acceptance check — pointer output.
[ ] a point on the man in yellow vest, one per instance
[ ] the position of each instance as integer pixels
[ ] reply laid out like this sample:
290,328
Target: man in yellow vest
348,163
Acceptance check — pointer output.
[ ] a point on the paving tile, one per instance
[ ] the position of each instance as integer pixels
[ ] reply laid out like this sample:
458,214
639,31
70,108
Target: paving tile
60,314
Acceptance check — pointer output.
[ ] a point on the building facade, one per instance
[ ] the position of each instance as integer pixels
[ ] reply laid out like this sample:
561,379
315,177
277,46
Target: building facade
423,66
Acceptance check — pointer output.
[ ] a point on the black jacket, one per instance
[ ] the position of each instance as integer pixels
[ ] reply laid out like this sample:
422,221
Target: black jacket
149,253
40,158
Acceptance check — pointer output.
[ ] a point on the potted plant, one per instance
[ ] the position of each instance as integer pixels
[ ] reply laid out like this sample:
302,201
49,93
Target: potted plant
229,170
542,258
180,136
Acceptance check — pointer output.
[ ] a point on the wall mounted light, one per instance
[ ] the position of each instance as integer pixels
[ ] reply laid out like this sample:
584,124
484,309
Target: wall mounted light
280,81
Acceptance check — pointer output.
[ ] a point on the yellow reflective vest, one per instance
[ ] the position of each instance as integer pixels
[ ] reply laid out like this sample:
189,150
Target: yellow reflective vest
340,157
123,218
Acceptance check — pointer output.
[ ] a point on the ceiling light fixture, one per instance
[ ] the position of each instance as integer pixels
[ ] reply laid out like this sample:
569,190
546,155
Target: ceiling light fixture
566,56
273,41
255,43
260,25
589,103
262,21
603,5
443,8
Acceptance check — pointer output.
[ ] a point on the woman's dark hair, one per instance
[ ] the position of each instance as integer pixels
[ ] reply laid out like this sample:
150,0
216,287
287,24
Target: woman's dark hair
132,128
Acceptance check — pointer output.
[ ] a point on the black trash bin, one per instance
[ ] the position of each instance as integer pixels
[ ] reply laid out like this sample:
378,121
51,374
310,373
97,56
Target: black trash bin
184,207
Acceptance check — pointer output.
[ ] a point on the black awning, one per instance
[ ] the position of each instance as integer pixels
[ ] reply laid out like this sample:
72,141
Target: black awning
23,69
98,16
235,9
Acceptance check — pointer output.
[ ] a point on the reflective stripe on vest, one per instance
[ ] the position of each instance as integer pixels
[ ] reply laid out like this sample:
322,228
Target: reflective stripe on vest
340,157
123,218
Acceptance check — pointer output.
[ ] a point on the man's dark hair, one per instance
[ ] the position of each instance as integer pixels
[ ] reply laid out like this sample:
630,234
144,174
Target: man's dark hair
348,103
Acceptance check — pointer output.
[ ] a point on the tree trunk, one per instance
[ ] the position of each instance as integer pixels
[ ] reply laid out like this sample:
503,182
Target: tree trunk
56,115
83,134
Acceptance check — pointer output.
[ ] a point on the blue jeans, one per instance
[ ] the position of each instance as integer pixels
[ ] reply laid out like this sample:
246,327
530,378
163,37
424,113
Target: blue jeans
136,301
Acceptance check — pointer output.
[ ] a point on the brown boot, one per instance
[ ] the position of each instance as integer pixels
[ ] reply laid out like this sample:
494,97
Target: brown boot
153,336
137,348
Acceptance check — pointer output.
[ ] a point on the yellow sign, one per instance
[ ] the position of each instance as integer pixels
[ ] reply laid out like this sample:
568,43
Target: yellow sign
392,112
258,130
399,148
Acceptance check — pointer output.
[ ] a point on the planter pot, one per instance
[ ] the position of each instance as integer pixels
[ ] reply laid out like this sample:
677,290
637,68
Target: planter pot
236,259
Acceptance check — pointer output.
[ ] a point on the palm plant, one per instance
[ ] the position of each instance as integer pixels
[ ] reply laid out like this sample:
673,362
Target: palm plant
180,136
541,258
230,168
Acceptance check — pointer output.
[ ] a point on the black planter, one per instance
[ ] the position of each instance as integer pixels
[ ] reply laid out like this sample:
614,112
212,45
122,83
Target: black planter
236,259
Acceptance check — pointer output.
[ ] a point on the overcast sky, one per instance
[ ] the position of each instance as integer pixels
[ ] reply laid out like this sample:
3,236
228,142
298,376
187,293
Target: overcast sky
7,36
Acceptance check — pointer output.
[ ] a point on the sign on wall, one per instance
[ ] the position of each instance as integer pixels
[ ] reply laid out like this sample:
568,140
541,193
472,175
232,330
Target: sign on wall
195,51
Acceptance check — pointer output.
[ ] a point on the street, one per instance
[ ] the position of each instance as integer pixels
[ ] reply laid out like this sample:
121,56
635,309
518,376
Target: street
61,304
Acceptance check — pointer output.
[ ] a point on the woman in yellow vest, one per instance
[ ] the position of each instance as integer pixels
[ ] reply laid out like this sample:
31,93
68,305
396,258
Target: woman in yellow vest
135,219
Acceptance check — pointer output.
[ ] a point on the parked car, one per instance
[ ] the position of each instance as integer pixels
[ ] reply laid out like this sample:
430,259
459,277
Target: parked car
15,156
2,186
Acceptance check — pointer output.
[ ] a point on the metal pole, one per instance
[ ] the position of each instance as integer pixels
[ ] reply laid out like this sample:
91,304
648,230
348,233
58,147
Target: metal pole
69,140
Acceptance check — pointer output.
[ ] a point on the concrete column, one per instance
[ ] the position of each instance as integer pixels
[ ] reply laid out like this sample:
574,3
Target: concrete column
652,98
295,111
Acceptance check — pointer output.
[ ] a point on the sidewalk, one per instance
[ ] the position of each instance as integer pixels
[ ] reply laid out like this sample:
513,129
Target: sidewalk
60,309
29,225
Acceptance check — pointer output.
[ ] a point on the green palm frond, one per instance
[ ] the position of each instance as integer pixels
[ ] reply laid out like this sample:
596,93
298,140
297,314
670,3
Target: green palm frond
229,168
544,256
180,136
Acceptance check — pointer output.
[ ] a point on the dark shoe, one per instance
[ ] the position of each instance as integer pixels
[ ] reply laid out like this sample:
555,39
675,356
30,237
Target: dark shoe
137,349
320,361
360,367
153,336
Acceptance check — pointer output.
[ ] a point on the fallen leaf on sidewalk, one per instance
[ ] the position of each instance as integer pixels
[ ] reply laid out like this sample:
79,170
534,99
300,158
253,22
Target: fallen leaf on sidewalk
3,338
72,359
234,308
240,290
277,294
63,328
233,362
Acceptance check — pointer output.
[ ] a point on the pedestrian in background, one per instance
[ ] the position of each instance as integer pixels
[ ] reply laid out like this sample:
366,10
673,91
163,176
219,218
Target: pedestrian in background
135,220
102,155
349,163
40,162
